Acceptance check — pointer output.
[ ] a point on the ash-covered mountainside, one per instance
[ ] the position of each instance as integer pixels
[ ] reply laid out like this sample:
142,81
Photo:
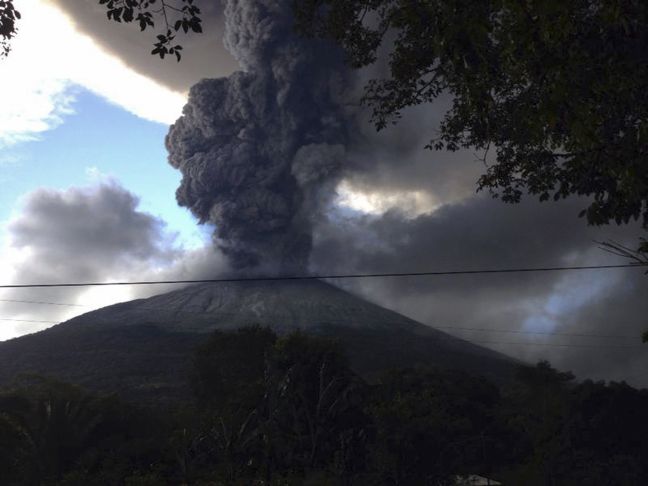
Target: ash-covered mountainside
143,347
282,305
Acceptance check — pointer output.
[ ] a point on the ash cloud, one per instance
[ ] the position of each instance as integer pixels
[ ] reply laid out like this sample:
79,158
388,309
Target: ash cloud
261,150
480,233
255,168
82,234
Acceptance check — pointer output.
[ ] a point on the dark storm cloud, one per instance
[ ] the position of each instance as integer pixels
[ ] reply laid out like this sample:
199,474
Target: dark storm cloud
261,150
90,234
77,235
204,55
84,233
482,233
473,233
620,311
395,159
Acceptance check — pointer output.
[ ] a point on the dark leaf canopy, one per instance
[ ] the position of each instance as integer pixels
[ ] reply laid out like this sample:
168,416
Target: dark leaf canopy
8,17
552,92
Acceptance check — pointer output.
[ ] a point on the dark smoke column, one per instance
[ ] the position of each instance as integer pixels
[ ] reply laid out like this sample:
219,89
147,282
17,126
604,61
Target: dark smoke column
261,150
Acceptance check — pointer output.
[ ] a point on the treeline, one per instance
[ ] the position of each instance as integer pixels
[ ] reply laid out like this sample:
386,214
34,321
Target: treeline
289,410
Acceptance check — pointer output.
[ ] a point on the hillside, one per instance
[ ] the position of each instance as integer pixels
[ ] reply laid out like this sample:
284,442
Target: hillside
142,348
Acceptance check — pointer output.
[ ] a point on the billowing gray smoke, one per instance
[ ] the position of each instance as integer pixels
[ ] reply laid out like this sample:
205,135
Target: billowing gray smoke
259,151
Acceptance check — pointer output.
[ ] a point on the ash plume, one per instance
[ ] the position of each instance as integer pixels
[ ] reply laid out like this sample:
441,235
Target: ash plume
261,150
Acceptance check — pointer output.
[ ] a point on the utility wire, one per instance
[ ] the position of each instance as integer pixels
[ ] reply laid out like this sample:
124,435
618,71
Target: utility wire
458,328
495,343
41,302
29,320
542,333
565,345
349,276
454,338
322,277
506,343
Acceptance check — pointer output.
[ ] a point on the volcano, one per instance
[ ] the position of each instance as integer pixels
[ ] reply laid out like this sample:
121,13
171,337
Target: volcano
142,349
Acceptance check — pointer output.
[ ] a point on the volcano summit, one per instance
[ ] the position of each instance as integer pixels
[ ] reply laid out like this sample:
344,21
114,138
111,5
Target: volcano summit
143,348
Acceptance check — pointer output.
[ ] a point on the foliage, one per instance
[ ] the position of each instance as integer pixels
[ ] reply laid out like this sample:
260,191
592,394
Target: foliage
8,17
637,256
433,425
603,438
229,384
577,433
59,432
56,422
176,16
288,410
228,369
537,406
315,403
556,89
287,404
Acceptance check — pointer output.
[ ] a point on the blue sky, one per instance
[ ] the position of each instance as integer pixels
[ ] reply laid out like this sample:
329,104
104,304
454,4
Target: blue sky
80,126
80,116
99,140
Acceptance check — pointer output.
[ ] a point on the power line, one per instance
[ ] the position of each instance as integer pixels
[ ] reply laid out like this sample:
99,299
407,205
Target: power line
349,276
542,333
458,328
452,338
496,343
41,302
322,277
29,320
566,345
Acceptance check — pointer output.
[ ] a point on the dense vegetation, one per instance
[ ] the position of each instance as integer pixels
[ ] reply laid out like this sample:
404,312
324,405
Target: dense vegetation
289,410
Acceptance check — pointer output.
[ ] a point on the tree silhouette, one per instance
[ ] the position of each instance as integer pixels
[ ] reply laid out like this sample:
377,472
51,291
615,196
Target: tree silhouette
228,379
432,425
8,17
290,405
552,93
56,421
175,16
317,397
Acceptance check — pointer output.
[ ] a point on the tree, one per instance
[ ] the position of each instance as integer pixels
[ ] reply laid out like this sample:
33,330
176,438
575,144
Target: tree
229,384
318,402
228,369
637,257
57,433
8,17
289,404
174,15
433,425
576,433
603,440
57,422
538,407
555,89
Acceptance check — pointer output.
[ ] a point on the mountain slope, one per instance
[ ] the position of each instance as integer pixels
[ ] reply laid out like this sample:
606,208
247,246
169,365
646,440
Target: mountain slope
142,348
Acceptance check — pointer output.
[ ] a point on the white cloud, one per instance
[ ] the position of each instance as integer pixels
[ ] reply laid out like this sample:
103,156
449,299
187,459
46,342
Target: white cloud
49,58
410,203
94,174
